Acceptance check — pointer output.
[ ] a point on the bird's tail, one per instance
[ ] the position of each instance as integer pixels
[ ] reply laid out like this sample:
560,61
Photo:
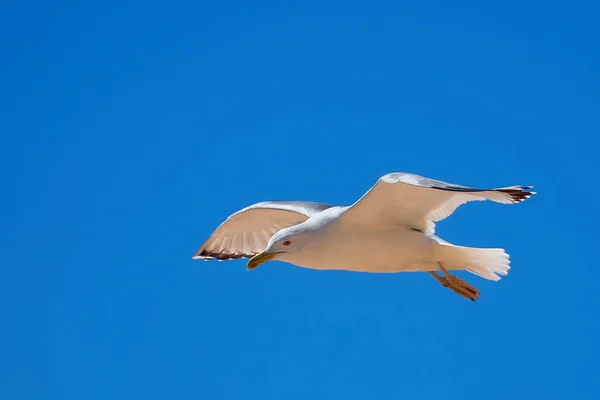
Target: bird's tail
486,263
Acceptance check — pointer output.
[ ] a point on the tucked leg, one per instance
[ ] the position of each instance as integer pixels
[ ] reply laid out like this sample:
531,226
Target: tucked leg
455,284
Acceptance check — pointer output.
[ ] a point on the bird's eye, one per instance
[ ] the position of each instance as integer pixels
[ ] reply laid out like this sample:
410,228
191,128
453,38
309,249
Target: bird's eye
287,242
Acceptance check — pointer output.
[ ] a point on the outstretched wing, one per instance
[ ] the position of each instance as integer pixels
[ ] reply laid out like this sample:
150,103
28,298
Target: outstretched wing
419,202
248,231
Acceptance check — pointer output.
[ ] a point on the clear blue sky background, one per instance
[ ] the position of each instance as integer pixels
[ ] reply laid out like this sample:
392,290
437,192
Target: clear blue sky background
130,130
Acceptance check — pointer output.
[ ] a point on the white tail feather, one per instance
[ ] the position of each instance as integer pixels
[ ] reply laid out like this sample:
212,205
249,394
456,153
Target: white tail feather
486,263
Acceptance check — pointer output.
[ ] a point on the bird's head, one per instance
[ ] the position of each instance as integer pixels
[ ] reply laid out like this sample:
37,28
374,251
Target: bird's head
283,245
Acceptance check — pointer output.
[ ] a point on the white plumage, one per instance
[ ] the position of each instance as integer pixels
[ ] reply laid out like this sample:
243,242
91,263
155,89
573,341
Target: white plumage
390,229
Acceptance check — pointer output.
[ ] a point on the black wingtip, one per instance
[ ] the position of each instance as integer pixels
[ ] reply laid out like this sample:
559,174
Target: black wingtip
518,193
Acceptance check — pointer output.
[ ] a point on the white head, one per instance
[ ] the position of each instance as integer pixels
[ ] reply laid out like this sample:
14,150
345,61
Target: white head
284,245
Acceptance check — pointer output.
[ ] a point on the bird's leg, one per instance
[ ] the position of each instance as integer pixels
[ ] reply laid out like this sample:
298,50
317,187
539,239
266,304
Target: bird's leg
455,284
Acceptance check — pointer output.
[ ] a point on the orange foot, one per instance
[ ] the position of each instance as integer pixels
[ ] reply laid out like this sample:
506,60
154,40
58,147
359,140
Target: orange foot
456,284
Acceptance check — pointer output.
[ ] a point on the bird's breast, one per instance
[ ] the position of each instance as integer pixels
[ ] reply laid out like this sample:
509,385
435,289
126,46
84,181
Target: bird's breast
366,249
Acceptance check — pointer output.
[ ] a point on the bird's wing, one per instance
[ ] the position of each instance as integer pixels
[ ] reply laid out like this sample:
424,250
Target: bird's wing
419,202
248,231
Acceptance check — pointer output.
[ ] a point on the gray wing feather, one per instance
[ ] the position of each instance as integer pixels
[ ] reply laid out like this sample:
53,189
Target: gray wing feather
418,201
515,193
248,231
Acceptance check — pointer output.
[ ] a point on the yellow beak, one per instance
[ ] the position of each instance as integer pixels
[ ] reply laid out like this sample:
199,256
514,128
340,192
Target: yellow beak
259,259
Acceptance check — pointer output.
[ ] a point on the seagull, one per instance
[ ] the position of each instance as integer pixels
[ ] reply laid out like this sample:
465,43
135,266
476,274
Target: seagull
391,228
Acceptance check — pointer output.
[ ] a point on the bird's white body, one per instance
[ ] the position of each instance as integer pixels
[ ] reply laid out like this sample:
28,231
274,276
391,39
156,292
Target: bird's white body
390,229
336,246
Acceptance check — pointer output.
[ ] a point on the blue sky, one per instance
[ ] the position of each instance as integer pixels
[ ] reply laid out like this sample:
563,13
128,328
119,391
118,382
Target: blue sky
130,131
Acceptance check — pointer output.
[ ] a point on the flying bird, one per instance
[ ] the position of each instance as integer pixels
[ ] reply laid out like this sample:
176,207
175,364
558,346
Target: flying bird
391,228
